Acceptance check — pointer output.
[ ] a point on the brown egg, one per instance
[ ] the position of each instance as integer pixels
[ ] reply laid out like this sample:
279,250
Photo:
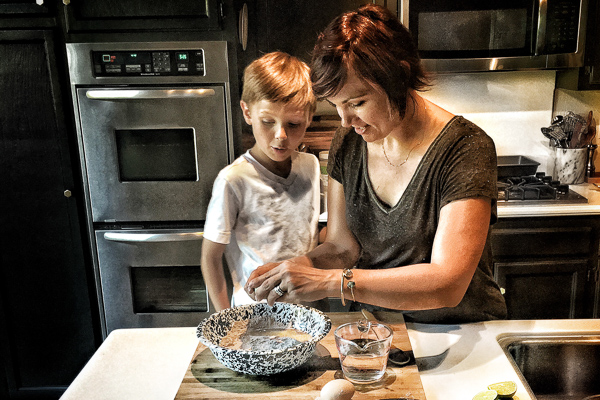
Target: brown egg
338,389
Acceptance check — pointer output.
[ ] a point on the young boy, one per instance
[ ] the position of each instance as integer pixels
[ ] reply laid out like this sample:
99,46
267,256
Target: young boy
265,205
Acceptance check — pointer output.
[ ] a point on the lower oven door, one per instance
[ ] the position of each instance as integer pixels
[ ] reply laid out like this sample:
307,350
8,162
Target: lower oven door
151,278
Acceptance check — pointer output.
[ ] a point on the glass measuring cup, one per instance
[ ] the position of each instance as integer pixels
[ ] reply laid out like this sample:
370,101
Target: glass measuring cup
363,353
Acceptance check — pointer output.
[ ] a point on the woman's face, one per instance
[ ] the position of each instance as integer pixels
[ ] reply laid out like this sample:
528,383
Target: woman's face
365,107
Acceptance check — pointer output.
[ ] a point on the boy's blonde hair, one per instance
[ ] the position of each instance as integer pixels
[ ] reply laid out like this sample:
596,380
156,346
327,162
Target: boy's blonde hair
278,76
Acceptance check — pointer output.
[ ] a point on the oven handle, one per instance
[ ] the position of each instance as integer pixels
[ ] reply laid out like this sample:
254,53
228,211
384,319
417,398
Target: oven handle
124,94
152,237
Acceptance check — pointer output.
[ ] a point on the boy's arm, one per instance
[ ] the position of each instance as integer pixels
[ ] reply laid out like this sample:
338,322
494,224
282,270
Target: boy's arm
213,273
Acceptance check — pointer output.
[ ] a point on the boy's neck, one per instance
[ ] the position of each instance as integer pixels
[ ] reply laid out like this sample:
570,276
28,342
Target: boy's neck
279,168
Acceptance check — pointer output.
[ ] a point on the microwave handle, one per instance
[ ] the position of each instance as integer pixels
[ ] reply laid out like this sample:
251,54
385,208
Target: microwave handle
152,237
125,94
540,37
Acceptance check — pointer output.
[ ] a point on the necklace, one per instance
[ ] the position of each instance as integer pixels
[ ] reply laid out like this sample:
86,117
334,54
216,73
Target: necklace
407,156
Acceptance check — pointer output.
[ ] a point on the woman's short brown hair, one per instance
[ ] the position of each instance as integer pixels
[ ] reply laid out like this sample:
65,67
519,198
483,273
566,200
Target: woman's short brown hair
279,77
373,44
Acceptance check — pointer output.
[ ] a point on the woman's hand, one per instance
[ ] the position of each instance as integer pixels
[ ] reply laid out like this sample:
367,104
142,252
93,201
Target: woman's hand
296,277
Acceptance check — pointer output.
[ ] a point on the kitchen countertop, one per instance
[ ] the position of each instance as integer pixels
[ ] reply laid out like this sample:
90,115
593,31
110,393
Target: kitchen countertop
455,361
589,191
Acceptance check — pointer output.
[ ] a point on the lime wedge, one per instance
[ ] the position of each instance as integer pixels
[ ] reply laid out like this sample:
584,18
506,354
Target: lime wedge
486,395
505,390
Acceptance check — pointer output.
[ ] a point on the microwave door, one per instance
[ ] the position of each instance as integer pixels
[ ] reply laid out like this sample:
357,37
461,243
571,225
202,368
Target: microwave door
152,154
473,35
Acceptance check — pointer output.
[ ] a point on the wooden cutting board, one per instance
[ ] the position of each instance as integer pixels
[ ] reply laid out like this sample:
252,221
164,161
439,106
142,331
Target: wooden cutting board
207,378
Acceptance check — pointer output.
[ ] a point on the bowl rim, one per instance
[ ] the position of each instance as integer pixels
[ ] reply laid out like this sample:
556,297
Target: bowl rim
312,341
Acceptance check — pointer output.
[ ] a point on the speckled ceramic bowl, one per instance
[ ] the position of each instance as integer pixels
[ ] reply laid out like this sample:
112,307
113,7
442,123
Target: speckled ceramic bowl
266,361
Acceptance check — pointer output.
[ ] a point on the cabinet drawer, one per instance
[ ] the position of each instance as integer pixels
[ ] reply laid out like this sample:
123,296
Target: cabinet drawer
542,241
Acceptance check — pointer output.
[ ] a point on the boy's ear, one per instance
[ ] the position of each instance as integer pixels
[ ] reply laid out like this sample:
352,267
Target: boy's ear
310,119
246,112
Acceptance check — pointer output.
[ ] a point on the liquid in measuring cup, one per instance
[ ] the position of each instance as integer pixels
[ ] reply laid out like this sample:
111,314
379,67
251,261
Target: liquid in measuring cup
364,367
363,355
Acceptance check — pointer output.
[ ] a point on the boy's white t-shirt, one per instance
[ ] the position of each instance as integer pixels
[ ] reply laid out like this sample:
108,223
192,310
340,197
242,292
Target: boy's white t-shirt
263,217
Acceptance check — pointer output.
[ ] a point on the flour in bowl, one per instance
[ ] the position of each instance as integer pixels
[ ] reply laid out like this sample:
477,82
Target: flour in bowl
242,337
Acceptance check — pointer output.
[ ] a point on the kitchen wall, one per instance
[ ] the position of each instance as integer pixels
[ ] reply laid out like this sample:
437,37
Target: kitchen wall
511,107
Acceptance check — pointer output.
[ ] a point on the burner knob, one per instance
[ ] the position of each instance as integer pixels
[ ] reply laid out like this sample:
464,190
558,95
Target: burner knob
564,189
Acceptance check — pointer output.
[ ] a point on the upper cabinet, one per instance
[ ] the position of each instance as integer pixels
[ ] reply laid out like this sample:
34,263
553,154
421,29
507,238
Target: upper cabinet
588,76
141,15
293,26
23,7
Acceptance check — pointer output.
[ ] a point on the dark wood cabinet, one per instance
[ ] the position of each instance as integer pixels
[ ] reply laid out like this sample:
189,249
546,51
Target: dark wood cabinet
143,15
543,289
293,26
17,8
547,266
48,328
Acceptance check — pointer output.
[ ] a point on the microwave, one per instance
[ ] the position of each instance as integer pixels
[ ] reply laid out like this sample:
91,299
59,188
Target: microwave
491,35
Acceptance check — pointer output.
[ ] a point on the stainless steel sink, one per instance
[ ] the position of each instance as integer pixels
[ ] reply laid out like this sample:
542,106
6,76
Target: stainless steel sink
556,367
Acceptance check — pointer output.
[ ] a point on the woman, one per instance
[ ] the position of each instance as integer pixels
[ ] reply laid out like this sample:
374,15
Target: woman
412,188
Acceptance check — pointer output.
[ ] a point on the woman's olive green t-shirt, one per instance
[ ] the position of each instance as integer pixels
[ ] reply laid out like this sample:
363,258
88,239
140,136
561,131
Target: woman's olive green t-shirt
459,164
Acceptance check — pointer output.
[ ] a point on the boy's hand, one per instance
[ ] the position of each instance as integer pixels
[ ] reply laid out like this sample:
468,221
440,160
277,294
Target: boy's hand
256,287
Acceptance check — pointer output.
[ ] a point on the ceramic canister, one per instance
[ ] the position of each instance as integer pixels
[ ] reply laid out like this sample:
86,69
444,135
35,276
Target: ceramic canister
570,165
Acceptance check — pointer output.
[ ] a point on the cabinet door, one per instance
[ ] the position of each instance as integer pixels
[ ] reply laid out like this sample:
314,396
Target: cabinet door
293,26
135,15
543,289
11,7
47,318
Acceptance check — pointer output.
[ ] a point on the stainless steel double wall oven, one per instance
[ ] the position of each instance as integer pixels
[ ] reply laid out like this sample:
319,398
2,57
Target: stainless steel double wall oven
154,129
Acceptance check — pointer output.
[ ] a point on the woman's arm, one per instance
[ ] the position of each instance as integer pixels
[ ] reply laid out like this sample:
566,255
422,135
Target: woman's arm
340,249
214,276
298,276
457,248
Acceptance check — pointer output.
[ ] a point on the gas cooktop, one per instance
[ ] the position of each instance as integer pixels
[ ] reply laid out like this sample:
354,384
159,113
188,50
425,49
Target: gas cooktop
535,190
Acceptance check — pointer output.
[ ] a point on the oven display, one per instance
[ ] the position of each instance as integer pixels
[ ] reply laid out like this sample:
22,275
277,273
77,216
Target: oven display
149,63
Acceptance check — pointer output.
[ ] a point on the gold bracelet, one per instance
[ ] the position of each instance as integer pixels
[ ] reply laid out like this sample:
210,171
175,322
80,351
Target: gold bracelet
347,274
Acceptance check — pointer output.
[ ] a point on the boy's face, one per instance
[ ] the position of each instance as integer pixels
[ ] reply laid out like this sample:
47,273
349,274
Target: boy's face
277,127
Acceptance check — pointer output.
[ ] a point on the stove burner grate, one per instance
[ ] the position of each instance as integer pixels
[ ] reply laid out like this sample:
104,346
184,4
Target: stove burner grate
539,188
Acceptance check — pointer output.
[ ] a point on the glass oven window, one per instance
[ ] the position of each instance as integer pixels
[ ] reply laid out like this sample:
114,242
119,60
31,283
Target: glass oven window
168,289
156,154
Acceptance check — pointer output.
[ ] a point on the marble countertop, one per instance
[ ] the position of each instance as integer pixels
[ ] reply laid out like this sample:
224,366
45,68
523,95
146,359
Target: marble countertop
458,361
455,361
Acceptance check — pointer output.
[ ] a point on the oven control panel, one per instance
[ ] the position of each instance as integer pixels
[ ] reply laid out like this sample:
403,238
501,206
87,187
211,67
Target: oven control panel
148,63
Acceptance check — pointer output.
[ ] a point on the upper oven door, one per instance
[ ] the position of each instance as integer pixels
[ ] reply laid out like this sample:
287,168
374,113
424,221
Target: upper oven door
152,153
